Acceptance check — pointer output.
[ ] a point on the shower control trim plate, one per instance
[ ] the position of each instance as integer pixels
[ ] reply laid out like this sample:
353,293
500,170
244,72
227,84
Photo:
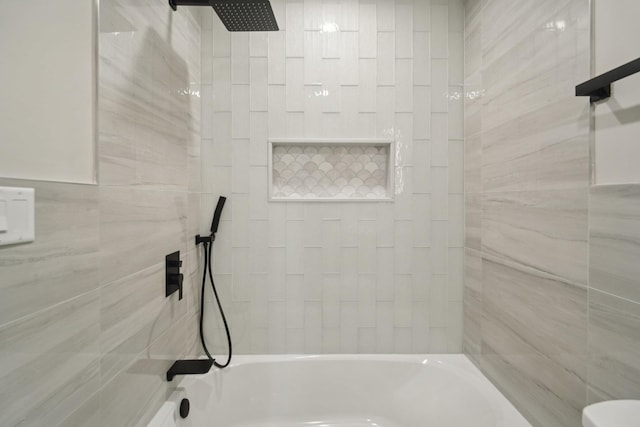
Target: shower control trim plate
173,277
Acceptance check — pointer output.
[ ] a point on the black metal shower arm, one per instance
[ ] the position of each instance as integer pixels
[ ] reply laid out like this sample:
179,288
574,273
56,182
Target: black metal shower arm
599,88
175,3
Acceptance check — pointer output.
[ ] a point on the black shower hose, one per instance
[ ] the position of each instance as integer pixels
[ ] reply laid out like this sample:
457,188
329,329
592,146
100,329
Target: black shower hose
207,268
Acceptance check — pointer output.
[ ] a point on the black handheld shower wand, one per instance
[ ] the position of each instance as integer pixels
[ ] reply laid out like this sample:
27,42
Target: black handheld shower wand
214,224
216,215
207,242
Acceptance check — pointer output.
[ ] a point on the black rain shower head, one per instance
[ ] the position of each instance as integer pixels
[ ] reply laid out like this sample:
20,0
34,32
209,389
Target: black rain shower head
238,15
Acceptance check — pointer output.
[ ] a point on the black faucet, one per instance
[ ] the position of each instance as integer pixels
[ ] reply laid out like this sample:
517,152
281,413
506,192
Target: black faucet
189,367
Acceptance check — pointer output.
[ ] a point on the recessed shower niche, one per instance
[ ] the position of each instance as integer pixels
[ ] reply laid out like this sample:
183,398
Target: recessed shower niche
331,170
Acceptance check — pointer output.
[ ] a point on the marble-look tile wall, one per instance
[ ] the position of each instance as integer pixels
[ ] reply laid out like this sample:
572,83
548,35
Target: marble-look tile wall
86,333
613,370
526,203
338,277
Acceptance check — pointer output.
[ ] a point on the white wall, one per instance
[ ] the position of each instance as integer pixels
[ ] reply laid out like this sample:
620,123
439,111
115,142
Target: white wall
339,277
47,90
617,138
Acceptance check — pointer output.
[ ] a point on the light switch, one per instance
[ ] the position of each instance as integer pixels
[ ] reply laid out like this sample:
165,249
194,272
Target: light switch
17,215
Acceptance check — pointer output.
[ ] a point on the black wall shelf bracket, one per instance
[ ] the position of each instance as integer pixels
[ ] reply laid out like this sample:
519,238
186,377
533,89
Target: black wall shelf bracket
599,88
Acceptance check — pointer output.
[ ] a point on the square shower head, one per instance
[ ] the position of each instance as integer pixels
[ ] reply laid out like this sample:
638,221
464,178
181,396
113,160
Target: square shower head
245,15
238,15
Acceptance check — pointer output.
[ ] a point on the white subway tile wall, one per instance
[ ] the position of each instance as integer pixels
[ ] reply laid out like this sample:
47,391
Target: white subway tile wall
338,277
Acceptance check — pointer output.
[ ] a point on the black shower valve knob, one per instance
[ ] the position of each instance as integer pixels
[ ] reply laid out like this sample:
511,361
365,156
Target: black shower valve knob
175,283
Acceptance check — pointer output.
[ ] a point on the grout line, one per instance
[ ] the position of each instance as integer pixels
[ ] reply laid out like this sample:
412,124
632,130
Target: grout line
618,297
592,182
42,311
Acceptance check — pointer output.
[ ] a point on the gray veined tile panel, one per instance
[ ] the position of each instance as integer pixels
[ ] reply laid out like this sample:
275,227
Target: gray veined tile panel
192,271
520,23
49,362
511,16
534,340
473,105
614,347
473,165
158,80
194,214
526,202
134,394
615,240
193,347
133,313
508,160
473,221
472,9
472,41
86,415
516,376
544,148
116,141
148,103
472,299
545,230
564,164
194,168
138,228
537,83
62,262
161,160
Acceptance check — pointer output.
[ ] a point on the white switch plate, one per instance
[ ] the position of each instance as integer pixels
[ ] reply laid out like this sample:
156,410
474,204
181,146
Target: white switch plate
17,215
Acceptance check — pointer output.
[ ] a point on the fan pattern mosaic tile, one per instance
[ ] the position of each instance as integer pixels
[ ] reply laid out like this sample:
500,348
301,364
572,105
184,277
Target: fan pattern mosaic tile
330,171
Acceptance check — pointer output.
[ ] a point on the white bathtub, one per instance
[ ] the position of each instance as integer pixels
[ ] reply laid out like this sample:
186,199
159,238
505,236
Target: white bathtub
346,390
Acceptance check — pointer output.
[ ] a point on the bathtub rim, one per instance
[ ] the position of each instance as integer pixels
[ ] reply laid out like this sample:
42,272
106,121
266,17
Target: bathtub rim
457,363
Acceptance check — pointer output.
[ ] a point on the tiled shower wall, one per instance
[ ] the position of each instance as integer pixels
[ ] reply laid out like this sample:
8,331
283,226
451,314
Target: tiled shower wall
551,291
86,333
338,277
614,293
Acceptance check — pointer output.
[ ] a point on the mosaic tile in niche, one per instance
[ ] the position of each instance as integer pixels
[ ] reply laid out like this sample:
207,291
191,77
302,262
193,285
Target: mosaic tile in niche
330,171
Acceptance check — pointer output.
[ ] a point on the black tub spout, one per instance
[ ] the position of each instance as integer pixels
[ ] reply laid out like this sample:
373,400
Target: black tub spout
189,367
